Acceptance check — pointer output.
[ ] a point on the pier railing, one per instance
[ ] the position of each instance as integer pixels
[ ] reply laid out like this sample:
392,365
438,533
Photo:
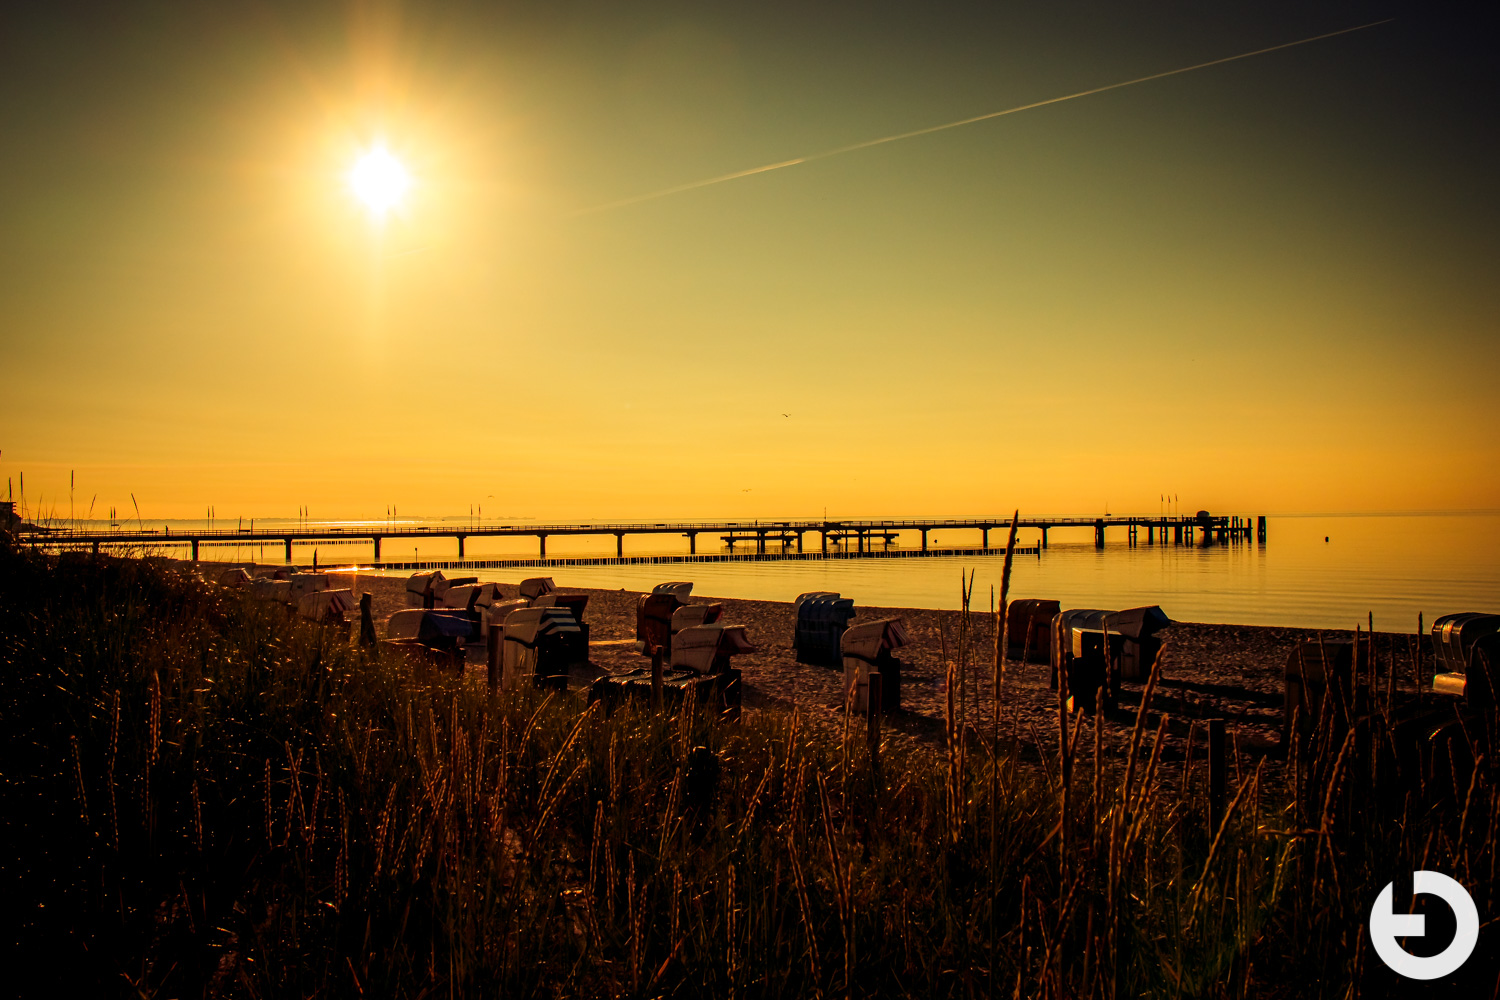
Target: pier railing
863,534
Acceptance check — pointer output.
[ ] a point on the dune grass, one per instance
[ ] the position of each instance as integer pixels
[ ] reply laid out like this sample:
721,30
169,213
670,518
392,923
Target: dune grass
202,797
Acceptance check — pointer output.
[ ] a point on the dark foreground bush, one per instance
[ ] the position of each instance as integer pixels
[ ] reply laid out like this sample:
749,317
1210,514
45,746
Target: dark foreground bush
203,798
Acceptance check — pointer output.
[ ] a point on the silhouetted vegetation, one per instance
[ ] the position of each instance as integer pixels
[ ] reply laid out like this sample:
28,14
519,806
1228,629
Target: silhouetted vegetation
202,797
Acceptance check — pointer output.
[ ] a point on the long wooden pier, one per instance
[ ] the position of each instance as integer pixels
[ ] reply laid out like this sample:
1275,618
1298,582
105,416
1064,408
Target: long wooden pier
862,535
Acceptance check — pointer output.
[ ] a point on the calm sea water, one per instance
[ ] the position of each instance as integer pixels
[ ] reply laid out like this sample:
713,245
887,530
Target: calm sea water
1320,571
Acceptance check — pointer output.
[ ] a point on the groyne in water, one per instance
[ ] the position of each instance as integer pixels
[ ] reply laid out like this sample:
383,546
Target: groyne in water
720,557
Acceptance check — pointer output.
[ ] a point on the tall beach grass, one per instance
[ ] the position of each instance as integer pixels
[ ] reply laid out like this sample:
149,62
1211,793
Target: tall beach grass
203,797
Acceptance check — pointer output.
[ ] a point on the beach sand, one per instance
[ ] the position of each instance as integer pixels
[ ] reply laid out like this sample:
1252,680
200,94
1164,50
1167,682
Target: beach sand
1207,671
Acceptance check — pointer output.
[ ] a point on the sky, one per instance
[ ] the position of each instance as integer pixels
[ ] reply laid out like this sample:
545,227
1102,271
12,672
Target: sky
1264,286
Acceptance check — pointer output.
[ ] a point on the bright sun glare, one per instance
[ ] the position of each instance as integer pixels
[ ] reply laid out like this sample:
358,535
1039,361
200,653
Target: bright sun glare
379,180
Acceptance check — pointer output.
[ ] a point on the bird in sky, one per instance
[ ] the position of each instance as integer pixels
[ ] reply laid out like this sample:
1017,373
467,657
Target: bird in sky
786,414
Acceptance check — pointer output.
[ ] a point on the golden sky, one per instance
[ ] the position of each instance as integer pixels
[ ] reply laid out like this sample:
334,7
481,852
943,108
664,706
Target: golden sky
1265,286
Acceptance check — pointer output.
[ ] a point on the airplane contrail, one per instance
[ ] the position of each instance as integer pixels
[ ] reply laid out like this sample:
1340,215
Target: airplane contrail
720,179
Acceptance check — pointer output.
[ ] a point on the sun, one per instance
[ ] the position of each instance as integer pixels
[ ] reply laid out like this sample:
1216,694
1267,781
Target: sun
379,180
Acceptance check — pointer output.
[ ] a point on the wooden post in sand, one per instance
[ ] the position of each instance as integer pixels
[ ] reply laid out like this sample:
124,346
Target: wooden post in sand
1216,776
493,653
366,622
1417,658
656,677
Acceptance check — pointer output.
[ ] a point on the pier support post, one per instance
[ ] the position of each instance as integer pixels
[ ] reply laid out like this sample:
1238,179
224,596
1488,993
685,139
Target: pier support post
1176,534
823,538
195,550
1099,533
1150,534
924,539
984,539
692,537
619,545
377,548
460,546
1044,536
861,541
760,542
799,543
542,539
288,549
1260,529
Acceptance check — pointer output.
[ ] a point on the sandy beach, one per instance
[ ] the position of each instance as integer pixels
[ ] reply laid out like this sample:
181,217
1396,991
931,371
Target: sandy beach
1207,671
